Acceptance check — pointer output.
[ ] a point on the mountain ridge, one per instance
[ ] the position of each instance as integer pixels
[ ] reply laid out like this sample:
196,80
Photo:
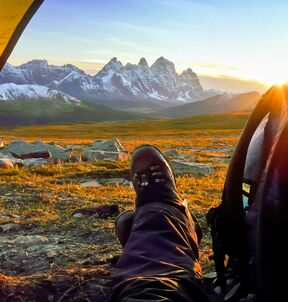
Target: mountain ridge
136,85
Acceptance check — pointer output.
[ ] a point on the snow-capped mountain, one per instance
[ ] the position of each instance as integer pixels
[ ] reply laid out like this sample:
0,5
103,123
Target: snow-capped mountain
116,85
14,92
37,72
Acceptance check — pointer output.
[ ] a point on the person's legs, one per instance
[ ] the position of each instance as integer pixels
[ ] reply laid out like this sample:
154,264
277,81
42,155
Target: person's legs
160,256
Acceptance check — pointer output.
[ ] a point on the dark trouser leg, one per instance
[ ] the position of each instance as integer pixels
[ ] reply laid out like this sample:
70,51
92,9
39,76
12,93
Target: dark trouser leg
160,260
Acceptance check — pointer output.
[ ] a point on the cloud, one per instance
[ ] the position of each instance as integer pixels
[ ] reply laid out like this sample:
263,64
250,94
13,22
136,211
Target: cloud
216,66
231,84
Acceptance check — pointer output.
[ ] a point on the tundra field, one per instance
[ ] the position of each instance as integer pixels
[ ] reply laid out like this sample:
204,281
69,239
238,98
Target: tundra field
49,253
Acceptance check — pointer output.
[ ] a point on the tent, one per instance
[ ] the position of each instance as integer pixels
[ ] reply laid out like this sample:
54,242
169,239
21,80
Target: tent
14,17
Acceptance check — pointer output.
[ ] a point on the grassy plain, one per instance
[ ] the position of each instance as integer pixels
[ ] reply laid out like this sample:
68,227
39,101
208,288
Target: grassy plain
43,199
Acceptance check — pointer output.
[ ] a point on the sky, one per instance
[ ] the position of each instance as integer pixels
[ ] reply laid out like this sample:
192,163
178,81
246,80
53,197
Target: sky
232,45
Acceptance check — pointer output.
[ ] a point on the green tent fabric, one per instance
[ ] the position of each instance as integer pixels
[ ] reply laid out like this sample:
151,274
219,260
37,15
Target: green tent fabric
14,17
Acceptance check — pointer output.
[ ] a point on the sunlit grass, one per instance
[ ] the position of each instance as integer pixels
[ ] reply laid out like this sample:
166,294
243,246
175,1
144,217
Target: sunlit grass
45,198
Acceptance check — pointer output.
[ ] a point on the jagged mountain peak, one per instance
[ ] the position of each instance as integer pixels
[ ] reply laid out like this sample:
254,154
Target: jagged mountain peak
165,66
36,63
188,72
162,61
114,63
143,62
116,85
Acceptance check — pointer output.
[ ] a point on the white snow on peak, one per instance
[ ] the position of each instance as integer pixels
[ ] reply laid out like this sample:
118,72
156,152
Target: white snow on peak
13,92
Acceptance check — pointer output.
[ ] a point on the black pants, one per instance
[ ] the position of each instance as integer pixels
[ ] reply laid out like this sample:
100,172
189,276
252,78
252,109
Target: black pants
160,260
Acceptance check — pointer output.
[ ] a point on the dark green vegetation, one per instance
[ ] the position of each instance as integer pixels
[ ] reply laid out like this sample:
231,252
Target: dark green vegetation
134,129
215,104
34,112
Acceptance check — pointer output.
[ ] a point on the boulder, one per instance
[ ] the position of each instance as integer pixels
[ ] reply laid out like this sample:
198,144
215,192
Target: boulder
97,155
74,147
57,152
104,211
116,181
105,150
172,153
13,227
91,184
111,145
22,149
182,167
15,161
35,154
6,163
35,162
2,145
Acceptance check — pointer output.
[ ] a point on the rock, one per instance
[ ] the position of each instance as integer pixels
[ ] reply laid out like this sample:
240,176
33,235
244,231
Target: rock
57,152
6,163
91,184
35,162
35,154
116,181
94,155
222,160
17,148
15,161
12,227
172,153
111,145
30,240
22,149
181,167
74,147
102,211
2,145
26,254
105,150
78,215
75,158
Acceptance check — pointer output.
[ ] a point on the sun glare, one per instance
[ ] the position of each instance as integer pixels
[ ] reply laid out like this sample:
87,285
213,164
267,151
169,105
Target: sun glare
276,78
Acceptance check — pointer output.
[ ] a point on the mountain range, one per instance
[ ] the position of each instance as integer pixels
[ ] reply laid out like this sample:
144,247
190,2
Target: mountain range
136,88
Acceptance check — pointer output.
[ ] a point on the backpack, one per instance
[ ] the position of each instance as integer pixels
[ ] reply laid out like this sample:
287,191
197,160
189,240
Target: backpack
250,225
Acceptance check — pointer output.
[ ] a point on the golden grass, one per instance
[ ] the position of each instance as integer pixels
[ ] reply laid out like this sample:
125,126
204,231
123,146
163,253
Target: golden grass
46,197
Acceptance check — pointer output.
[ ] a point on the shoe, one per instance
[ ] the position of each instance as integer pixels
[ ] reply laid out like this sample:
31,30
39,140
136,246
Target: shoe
153,180
153,177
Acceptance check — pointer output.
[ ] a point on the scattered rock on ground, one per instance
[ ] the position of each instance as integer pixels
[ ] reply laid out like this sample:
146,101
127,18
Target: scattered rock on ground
97,155
91,184
223,160
182,167
74,147
22,149
77,215
12,227
6,163
35,162
111,145
26,254
172,153
116,181
16,162
104,211
34,154
105,150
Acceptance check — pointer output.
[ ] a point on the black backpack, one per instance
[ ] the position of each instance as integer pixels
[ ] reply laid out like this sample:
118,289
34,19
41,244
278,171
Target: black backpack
250,226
